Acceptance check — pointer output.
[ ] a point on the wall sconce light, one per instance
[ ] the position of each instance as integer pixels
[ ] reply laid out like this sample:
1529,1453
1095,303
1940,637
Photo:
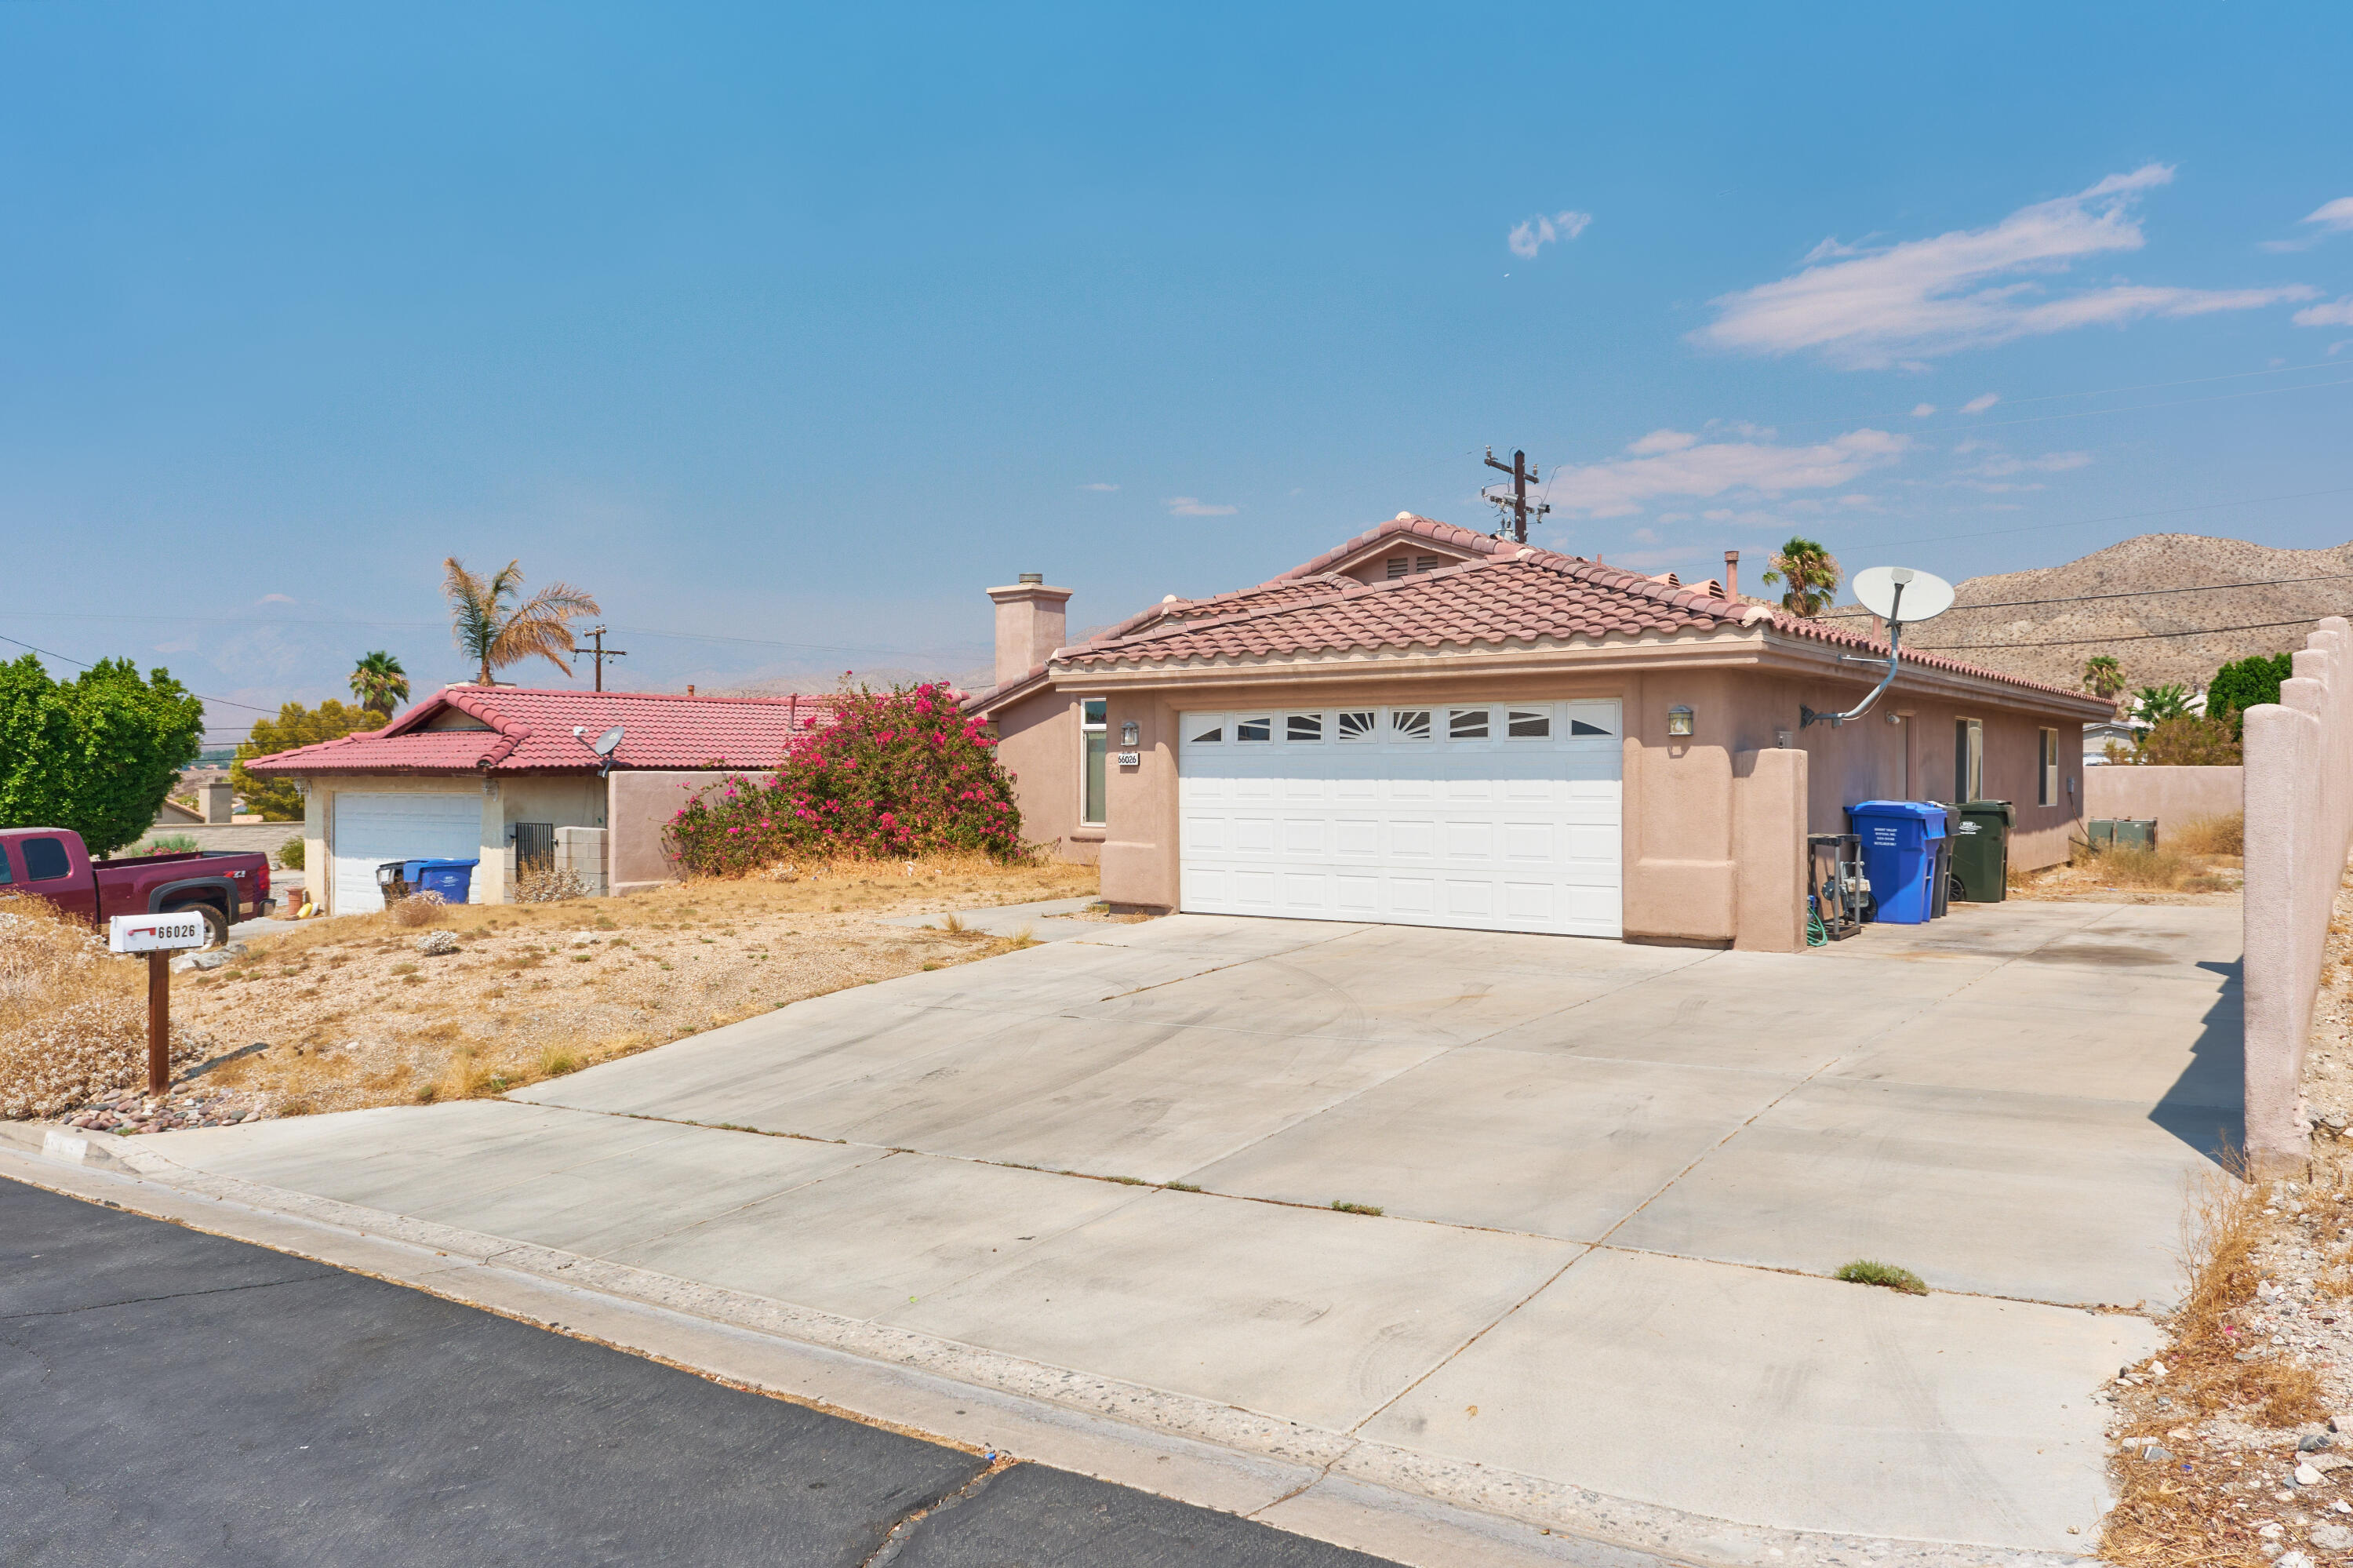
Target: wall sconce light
1679,720
1129,734
1894,718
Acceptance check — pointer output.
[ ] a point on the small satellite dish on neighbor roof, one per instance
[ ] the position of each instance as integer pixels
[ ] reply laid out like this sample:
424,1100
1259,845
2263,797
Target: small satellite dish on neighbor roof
1903,594
604,746
1902,597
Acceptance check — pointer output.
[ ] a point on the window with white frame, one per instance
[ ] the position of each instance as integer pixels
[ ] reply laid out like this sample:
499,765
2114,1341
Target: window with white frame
1358,723
2046,777
1466,723
1094,731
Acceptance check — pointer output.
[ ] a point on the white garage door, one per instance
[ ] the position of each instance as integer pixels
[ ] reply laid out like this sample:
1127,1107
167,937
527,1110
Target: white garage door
1495,816
373,829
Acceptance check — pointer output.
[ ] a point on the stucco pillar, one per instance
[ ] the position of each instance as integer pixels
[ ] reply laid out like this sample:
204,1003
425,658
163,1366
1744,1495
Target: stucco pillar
1768,839
490,884
315,878
2283,753
1139,849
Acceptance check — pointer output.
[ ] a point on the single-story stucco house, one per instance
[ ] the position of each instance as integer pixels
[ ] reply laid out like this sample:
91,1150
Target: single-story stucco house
508,775
1428,726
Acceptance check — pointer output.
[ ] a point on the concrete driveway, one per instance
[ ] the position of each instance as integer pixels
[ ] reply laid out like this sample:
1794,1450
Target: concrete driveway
1614,1182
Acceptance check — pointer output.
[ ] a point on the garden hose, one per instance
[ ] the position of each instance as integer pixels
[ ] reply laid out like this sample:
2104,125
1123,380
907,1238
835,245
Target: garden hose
1817,934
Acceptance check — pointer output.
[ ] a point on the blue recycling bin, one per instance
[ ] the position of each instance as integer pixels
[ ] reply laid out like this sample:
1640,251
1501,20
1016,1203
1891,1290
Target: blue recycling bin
1900,856
452,879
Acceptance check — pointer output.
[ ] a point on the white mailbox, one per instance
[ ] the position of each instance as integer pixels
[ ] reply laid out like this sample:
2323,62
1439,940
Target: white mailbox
155,933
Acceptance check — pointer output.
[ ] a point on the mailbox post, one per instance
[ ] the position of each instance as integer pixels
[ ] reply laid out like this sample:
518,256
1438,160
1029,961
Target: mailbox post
158,936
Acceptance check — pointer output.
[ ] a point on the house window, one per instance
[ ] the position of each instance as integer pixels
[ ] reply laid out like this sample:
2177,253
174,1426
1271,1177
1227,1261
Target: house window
1410,724
1357,725
1467,724
1259,728
1303,727
1211,735
1527,723
1094,731
1968,760
2046,781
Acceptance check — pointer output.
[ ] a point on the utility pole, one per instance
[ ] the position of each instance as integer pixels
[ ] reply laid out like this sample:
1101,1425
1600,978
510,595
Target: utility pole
1516,503
599,654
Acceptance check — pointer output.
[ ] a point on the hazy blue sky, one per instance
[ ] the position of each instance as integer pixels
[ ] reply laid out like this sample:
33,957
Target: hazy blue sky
805,327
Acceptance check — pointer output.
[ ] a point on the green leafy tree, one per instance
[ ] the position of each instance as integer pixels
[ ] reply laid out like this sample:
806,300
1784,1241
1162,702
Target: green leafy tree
1809,574
2104,677
97,754
496,632
2155,705
277,798
380,683
2242,684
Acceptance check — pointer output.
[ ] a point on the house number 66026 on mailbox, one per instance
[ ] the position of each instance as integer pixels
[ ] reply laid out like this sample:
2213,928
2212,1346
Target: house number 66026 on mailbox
158,936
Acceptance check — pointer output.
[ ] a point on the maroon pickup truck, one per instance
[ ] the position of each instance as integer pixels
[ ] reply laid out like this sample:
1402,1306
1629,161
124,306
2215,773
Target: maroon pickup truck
51,864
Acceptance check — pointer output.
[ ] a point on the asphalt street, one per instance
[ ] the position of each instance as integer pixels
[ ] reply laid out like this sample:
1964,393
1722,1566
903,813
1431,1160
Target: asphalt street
168,1396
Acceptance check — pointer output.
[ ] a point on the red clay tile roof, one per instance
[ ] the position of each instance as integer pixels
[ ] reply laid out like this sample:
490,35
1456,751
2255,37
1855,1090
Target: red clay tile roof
1507,593
530,732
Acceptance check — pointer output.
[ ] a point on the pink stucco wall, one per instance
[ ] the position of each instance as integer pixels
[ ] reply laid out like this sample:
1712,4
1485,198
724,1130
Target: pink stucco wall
2172,796
638,808
2299,803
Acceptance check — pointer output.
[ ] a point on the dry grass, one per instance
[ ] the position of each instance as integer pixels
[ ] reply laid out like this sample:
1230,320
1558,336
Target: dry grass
418,909
355,1016
2180,1510
73,1017
2210,836
2179,870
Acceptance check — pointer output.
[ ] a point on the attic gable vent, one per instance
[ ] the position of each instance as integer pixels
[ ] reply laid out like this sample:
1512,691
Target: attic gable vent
1428,563
1397,567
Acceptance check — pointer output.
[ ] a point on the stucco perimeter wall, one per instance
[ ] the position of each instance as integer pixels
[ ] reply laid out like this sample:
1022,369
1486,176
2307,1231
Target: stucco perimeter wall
2172,796
1038,742
638,805
2299,803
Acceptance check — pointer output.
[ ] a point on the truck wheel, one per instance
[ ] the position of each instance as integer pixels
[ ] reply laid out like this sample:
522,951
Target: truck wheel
215,926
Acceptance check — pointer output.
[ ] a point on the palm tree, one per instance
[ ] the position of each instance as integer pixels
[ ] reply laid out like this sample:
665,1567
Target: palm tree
380,683
1812,575
495,631
2103,676
2157,703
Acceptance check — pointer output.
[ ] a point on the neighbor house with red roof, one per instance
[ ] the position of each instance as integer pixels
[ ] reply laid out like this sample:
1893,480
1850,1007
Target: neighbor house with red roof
1428,726
510,776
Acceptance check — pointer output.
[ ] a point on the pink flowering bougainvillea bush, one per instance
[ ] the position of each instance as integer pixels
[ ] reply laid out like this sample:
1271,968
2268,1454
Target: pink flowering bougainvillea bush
900,772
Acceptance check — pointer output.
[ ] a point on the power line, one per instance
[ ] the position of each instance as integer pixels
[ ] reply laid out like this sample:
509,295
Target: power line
1851,613
199,695
2121,637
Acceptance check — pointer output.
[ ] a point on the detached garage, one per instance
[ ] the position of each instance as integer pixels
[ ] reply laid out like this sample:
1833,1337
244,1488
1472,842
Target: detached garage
512,777
1430,726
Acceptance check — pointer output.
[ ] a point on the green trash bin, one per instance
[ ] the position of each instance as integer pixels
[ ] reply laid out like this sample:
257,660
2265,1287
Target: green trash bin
1981,852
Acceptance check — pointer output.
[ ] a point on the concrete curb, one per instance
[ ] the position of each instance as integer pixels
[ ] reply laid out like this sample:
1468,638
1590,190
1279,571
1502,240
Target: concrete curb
1416,1507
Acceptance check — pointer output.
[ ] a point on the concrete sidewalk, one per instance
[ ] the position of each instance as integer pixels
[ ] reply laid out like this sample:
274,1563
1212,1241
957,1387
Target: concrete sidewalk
1615,1181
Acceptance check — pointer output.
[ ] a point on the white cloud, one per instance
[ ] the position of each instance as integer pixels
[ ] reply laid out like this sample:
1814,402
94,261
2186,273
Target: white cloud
1674,463
2336,312
1978,405
1903,304
1099,485
1922,410
2334,217
1192,506
2049,462
275,599
1527,238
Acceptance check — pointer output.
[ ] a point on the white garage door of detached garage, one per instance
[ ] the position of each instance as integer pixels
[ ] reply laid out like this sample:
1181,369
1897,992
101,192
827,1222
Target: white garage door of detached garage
371,829
1495,816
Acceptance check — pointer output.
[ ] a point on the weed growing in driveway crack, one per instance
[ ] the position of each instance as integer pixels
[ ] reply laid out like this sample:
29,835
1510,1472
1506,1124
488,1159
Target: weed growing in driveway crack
1180,1187
1863,1271
1373,1208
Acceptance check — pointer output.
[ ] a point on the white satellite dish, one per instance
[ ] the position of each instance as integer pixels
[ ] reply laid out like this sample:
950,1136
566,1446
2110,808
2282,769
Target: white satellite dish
1903,594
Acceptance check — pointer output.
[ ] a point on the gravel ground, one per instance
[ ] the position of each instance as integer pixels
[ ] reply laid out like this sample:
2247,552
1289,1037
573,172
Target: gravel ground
360,1010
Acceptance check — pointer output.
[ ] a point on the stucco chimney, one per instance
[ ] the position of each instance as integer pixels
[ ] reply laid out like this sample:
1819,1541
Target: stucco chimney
1031,620
1732,573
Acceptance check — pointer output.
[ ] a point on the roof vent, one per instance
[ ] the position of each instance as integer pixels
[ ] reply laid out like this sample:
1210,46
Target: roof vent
1405,517
1028,578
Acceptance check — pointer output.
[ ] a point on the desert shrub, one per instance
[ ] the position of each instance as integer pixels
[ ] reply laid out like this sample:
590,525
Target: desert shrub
539,884
73,1018
289,854
2189,741
170,843
2210,835
901,773
417,909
